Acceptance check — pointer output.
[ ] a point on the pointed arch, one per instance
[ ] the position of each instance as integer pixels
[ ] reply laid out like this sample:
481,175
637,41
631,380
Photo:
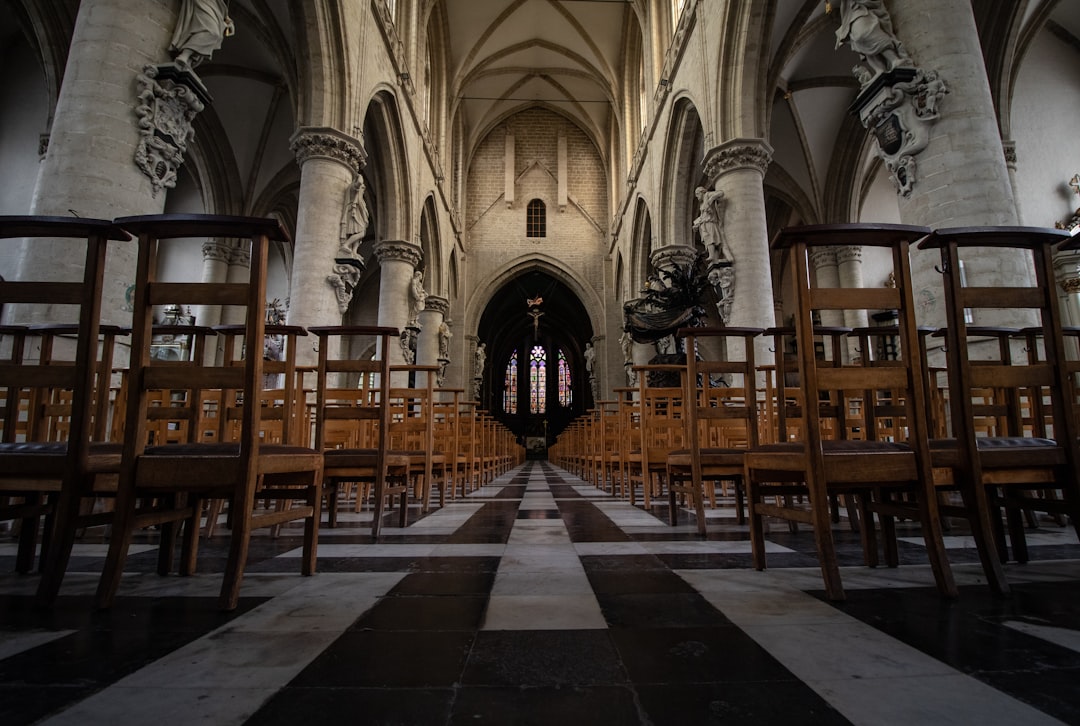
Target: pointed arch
388,168
682,172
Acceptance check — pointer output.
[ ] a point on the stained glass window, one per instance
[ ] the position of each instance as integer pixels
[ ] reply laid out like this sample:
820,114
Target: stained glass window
537,380
510,387
566,394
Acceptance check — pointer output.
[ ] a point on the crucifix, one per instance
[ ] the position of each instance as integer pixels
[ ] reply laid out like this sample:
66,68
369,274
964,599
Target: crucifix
535,314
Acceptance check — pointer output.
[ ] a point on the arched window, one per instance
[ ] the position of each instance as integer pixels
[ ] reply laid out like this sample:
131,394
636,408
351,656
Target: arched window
566,392
538,380
510,388
536,219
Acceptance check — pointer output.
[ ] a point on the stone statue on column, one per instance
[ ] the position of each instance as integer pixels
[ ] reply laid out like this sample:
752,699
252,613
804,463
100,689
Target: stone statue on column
710,222
200,29
348,264
479,361
866,26
417,297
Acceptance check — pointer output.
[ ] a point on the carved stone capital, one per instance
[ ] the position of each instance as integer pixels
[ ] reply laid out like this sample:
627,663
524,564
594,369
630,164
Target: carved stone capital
674,256
753,154
399,250
326,143
1067,268
1071,285
215,250
240,256
437,304
822,257
851,253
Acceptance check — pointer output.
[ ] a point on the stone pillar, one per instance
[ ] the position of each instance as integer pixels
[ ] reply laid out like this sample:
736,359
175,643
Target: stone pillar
397,261
962,178
89,166
737,168
431,318
1067,274
329,162
849,269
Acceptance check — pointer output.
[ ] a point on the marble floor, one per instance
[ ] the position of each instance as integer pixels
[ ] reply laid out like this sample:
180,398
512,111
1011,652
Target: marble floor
540,600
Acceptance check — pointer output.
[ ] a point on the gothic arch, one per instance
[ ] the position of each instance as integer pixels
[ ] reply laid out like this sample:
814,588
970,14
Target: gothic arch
387,169
431,246
641,247
486,289
681,173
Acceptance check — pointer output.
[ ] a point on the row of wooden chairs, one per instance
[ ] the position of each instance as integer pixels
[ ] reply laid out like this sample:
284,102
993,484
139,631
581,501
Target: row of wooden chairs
988,431
186,433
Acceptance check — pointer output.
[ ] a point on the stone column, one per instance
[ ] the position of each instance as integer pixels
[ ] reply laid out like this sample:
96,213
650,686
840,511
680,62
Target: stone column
826,274
397,261
1067,274
962,178
849,269
329,162
431,318
89,166
737,167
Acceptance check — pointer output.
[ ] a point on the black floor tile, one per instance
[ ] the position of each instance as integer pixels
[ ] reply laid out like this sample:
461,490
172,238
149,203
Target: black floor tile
425,612
368,706
694,655
389,659
708,704
543,658
546,706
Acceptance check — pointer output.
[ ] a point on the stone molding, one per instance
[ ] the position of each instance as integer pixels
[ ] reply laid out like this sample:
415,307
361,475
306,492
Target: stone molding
399,250
343,278
753,154
321,142
215,250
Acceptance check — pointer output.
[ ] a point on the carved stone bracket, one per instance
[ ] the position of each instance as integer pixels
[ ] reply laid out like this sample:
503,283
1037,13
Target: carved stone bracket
899,107
344,278
737,154
326,143
169,98
721,277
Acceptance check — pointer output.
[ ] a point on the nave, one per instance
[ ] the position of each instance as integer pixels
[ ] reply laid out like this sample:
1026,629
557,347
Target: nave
539,599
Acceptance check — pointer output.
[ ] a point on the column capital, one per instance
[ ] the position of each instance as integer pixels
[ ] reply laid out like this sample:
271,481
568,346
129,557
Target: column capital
322,142
398,250
822,256
437,304
753,154
215,249
850,253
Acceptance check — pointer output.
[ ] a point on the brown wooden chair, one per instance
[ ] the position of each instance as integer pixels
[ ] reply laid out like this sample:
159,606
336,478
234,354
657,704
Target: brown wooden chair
997,460
53,451
874,470
178,478
721,416
412,430
353,418
661,410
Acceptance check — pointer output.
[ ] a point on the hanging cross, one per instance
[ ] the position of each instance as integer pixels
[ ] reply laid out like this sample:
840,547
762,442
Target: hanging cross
535,315
1075,183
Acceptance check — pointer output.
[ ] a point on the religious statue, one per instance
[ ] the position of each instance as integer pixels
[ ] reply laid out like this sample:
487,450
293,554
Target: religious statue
200,28
710,222
444,340
590,359
723,281
479,359
627,344
866,26
355,218
417,298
